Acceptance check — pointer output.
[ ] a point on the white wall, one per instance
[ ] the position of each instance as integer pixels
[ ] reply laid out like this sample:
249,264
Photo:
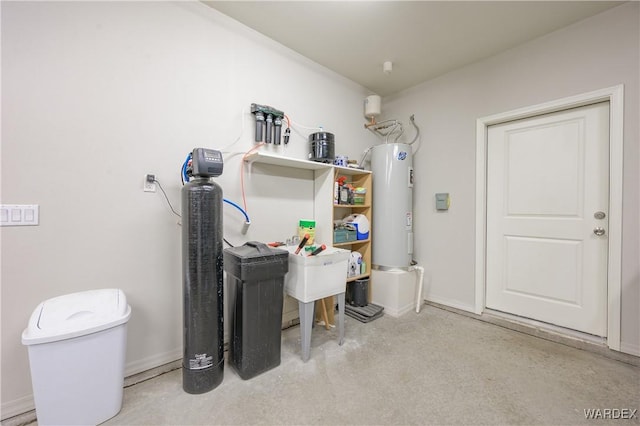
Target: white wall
599,52
96,95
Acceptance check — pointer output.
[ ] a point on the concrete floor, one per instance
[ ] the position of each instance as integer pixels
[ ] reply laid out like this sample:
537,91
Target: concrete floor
436,367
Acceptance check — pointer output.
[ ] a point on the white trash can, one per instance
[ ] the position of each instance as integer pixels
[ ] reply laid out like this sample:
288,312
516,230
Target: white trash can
77,345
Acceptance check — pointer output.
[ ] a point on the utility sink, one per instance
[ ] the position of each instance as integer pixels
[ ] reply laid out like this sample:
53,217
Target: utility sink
315,277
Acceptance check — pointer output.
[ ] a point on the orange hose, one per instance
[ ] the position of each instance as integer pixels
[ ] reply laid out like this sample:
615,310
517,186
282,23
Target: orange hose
244,200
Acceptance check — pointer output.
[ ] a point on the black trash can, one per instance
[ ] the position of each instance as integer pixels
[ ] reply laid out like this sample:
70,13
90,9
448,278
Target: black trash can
255,277
358,292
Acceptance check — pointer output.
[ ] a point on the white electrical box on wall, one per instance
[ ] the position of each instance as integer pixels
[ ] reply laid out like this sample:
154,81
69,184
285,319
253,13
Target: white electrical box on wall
443,201
19,214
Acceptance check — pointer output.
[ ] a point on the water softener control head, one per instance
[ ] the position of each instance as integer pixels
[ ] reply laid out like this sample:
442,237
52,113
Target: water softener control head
206,162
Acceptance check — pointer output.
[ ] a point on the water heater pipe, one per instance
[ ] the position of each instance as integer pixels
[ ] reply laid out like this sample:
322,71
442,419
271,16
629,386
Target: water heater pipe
420,269
413,121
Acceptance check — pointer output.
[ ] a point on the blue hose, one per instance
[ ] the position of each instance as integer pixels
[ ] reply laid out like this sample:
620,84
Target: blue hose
246,216
185,178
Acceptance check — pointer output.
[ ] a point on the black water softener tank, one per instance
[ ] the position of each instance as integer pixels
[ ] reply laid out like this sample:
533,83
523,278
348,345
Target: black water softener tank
203,359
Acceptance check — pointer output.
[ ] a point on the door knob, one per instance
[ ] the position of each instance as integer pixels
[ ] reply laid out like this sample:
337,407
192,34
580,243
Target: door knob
598,231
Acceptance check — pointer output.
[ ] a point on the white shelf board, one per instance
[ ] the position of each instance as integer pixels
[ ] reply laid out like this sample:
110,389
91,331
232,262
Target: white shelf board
277,160
350,170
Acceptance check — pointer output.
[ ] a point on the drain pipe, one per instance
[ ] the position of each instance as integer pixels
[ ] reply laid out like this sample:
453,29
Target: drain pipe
420,269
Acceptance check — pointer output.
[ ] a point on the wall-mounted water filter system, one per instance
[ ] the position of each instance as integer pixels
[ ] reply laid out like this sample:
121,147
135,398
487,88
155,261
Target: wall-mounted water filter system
202,275
269,124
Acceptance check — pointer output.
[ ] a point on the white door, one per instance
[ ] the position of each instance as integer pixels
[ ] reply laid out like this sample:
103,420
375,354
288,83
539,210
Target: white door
547,216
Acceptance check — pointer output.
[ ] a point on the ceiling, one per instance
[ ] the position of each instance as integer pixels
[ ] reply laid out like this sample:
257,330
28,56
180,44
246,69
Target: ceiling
422,39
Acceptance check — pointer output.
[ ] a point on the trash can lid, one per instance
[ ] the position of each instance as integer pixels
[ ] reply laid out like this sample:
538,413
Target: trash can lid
254,251
76,314
255,261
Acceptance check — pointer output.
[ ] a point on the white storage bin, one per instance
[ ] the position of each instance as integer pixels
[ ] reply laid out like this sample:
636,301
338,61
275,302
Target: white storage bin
315,277
77,346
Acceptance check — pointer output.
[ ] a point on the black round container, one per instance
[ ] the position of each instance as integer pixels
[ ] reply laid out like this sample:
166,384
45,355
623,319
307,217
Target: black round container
322,147
360,292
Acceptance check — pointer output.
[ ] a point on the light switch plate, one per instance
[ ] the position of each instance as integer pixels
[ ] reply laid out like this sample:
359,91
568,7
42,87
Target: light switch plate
19,214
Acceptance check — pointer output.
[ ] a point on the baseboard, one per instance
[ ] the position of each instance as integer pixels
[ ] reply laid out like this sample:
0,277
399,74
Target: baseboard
17,407
551,335
152,362
450,303
150,374
630,349
398,312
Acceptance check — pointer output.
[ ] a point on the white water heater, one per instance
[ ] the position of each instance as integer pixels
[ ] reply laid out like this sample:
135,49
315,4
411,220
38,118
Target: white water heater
392,166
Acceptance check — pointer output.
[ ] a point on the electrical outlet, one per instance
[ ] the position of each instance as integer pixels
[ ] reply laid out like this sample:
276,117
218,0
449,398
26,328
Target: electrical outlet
149,183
